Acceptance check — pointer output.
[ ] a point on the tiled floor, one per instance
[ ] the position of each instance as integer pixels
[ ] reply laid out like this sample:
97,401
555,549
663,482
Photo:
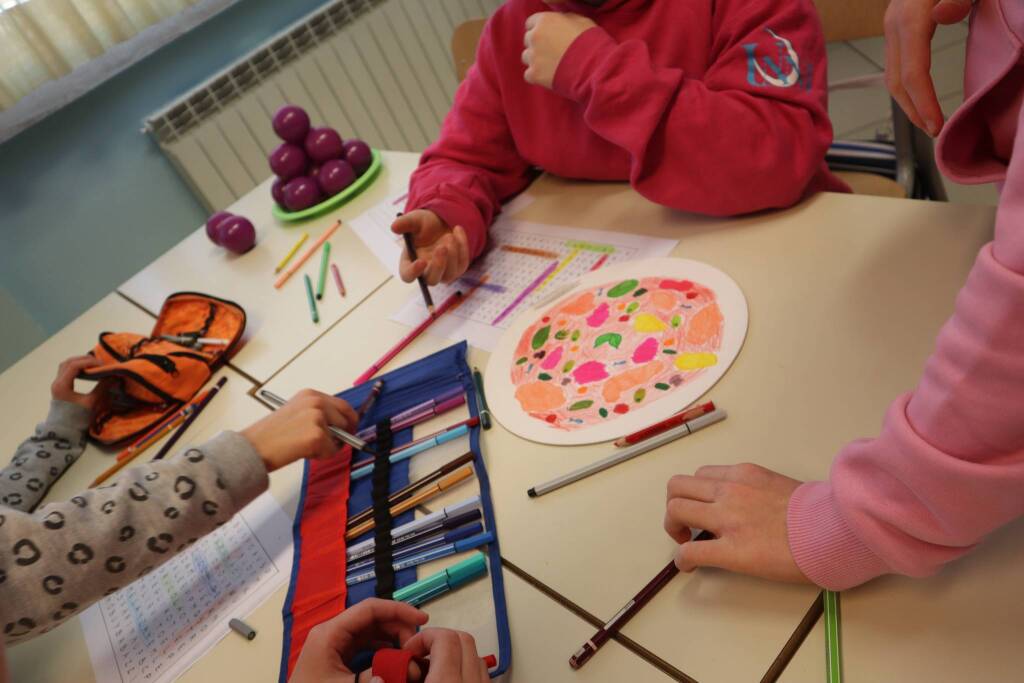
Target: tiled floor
862,114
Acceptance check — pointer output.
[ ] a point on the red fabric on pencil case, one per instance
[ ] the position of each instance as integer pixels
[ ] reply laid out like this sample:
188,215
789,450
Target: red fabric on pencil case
319,593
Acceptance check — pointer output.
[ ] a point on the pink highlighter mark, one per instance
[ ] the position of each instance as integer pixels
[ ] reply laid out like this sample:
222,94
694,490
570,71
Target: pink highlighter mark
552,360
599,316
591,371
647,350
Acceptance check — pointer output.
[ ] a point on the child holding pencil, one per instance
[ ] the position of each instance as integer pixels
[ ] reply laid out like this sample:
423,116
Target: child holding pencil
59,560
711,107
948,467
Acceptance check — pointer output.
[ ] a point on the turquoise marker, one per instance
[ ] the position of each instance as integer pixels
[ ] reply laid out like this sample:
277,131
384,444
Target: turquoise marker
444,581
405,454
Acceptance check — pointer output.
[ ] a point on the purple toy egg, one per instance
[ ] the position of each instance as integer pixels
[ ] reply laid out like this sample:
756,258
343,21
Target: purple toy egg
291,124
335,176
358,154
237,234
301,193
213,224
277,190
288,161
323,144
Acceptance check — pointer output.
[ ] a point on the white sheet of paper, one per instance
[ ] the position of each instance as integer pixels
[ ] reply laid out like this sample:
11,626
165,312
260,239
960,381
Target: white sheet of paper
154,629
374,228
526,263
618,352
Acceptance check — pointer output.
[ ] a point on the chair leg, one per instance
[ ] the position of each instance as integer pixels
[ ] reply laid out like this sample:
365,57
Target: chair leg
932,186
903,140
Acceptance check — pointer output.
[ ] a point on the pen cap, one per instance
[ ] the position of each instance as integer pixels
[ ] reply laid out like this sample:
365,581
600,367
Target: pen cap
468,569
463,506
474,541
464,532
704,420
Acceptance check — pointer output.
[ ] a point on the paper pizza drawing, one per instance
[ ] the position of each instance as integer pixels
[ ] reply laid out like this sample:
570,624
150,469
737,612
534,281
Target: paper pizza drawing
626,347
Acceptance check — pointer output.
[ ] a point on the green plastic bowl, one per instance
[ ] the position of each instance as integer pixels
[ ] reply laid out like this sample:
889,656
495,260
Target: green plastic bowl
361,183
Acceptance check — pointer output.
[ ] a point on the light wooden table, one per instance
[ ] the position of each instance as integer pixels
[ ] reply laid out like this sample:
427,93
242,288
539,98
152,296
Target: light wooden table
279,325
846,295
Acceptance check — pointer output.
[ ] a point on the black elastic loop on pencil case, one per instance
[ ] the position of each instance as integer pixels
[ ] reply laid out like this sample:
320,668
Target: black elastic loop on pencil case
382,554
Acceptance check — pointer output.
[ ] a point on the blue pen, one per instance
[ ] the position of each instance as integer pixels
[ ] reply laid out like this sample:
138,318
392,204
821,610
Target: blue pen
452,521
430,555
421,546
441,438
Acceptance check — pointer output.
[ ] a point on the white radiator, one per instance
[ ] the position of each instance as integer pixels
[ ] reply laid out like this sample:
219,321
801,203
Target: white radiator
380,70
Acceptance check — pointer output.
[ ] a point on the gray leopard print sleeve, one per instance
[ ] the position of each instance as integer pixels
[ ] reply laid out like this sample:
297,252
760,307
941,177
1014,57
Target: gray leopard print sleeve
42,458
65,556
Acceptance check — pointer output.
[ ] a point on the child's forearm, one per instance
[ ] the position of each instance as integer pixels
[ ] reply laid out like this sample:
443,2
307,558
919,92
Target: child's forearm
65,556
42,458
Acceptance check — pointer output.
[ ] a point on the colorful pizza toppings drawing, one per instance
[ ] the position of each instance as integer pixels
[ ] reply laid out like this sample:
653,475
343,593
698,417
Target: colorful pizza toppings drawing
614,348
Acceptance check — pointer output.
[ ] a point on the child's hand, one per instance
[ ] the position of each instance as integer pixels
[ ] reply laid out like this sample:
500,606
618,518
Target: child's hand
744,506
548,36
63,388
909,27
453,656
442,253
369,623
298,429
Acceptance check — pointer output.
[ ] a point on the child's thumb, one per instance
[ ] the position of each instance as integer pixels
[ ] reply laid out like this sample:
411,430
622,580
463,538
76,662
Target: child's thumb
951,11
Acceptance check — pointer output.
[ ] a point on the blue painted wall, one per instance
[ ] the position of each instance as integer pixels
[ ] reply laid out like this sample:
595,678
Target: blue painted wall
86,200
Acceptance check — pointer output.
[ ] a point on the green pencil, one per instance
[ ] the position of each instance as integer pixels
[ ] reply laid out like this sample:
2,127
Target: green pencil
325,256
312,302
833,650
485,412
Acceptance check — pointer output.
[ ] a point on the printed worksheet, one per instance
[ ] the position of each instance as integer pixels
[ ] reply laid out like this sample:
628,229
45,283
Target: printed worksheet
526,264
374,228
154,629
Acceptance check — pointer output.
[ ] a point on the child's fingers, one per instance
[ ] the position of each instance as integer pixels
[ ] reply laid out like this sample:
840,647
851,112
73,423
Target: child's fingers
915,75
893,79
682,514
694,488
951,11
437,265
462,241
410,270
711,553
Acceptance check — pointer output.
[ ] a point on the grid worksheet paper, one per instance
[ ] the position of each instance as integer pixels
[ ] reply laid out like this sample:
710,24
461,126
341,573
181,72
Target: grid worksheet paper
154,629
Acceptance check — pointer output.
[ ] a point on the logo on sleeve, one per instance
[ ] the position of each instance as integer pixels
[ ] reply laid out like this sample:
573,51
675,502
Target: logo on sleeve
773,62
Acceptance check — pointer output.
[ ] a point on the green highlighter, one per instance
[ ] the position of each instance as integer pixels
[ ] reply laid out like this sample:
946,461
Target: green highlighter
444,581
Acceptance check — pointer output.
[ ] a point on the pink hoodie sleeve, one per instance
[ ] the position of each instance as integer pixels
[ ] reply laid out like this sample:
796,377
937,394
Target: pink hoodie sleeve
730,142
948,467
474,165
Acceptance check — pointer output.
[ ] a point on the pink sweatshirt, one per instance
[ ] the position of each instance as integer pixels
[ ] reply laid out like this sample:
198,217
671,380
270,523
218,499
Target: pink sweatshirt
712,107
948,467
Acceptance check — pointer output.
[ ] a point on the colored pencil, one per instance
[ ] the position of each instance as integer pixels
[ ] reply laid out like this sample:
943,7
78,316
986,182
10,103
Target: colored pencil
453,479
312,301
337,279
407,453
305,255
161,429
833,649
407,491
797,639
625,454
468,424
409,338
628,611
371,398
424,290
343,436
665,425
291,252
481,399
325,258
190,419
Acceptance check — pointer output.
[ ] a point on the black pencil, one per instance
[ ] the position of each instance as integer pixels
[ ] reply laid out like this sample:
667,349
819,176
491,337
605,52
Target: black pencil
411,248
190,419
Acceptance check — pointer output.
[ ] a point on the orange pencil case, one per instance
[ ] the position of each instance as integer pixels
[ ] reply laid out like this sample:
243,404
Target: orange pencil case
146,378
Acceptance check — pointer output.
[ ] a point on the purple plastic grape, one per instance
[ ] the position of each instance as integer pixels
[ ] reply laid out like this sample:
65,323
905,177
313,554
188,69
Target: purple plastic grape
213,224
237,234
301,193
323,144
288,161
277,190
359,155
335,176
291,124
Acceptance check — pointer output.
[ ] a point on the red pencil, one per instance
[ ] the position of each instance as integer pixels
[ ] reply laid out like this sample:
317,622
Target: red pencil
665,425
629,610
409,338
